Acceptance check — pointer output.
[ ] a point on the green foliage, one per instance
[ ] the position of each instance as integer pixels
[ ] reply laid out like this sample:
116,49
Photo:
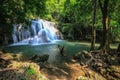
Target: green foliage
31,70
16,11
54,8
114,10
48,17
77,12
68,30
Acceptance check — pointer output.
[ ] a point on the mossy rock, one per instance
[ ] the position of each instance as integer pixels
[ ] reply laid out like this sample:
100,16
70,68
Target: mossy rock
22,71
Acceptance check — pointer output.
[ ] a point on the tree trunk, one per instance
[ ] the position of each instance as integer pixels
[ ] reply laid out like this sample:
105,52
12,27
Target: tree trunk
5,39
93,26
118,49
4,35
104,46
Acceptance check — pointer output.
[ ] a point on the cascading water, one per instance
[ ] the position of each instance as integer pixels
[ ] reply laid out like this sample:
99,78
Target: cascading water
40,31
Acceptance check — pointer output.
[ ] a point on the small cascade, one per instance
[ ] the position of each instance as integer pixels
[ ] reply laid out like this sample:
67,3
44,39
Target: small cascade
40,31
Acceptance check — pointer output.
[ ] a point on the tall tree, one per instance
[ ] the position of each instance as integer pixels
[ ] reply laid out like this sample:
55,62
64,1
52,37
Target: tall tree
118,49
93,26
104,46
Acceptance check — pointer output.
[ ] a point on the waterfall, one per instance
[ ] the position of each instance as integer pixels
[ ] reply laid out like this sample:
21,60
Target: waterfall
14,34
40,31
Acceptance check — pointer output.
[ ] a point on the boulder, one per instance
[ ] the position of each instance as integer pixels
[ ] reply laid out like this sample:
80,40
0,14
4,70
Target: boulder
40,58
